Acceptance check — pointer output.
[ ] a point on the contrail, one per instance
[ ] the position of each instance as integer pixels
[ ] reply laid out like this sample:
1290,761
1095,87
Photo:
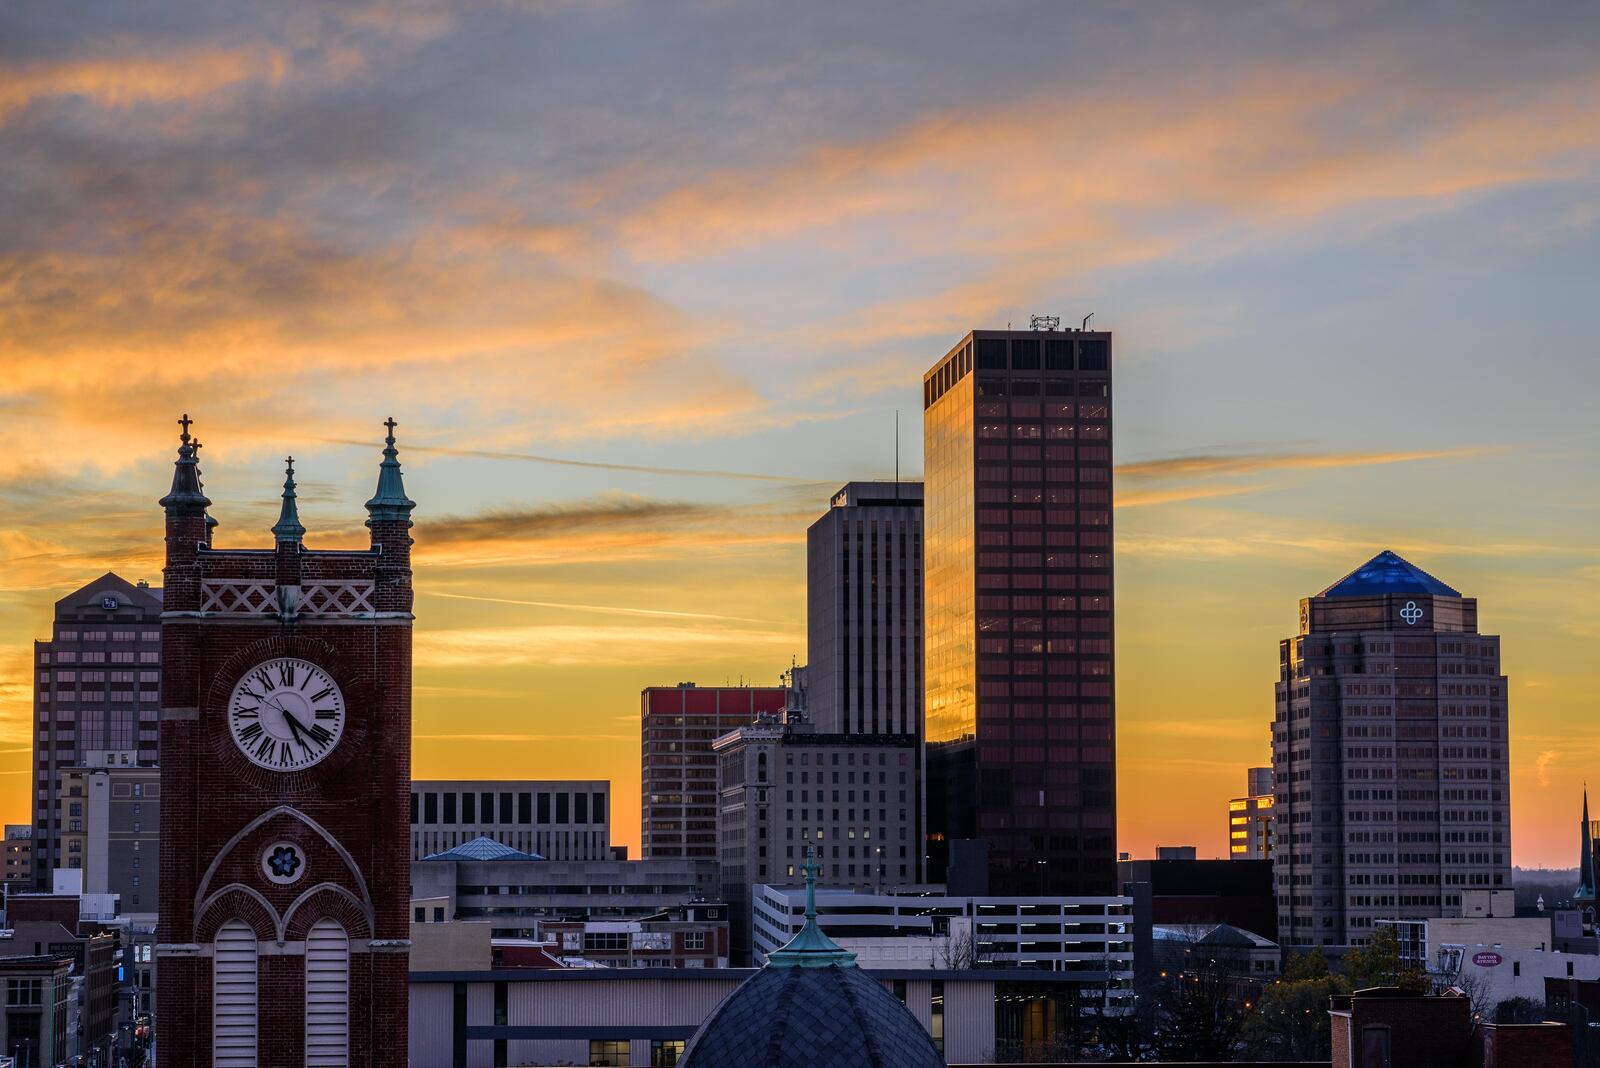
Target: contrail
607,609
528,457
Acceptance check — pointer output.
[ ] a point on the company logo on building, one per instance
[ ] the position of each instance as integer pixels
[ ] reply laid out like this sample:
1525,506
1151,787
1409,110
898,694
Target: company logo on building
110,604
1487,960
1411,613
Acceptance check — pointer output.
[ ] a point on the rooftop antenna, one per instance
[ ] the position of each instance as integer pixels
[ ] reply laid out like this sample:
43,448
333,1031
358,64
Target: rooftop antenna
897,454
1086,319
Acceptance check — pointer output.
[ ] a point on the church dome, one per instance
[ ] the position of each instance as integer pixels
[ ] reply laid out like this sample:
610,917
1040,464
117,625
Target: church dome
811,1007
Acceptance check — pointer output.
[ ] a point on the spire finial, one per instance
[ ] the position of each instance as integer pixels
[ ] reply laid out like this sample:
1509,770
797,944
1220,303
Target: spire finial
288,529
811,948
390,503
186,494
1586,874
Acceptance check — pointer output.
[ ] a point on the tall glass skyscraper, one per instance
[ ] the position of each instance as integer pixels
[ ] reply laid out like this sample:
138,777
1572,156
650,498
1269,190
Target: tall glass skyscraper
1020,701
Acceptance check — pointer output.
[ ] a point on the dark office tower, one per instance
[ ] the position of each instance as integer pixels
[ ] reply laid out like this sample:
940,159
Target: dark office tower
864,618
96,701
1020,700
1389,754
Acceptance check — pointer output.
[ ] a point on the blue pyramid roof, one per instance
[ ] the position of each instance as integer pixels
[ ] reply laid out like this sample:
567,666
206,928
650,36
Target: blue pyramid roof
1387,573
482,848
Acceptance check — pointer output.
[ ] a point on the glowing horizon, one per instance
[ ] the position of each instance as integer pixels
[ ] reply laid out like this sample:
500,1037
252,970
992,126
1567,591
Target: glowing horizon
644,287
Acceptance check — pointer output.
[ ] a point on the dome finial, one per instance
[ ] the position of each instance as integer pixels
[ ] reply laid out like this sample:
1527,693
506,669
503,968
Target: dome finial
811,948
288,528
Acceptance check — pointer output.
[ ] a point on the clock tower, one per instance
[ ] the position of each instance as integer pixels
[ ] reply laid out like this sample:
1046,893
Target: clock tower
285,781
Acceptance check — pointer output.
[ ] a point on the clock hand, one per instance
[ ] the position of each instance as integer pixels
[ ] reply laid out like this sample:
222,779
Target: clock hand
295,728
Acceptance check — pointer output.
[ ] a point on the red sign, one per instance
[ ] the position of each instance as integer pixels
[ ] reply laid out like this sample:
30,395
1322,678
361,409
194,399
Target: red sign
1487,960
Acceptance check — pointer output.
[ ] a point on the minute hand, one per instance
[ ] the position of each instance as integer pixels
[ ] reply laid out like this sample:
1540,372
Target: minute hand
296,728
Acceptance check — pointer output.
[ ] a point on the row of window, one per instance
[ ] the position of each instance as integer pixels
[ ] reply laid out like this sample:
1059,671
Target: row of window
481,807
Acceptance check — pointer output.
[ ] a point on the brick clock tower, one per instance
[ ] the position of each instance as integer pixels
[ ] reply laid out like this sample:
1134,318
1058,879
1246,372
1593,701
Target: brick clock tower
285,781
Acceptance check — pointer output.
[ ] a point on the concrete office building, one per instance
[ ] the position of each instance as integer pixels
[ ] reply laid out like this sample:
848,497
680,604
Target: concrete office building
1091,937
646,1016
864,611
96,688
787,787
109,815
513,891
558,820
678,797
1250,819
1390,757
35,1009
19,855
1017,547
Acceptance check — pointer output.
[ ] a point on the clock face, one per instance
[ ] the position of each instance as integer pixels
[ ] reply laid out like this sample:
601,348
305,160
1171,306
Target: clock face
286,714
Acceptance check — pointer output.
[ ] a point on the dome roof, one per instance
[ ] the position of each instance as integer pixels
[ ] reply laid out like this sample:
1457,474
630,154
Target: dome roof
811,1007
836,1016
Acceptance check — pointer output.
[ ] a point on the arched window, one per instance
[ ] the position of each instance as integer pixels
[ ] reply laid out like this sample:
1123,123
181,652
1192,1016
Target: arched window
233,996
327,996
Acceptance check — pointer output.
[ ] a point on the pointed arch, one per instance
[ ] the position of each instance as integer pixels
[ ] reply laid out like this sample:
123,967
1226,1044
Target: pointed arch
327,995
234,988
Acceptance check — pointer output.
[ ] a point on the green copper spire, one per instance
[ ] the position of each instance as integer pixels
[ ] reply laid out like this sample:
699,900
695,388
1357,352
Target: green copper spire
811,948
186,495
1586,887
390,502
288,527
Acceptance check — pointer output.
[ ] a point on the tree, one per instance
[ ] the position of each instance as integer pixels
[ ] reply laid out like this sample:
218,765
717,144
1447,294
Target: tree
1291,1020
1519,1011
1378,964
1200,1014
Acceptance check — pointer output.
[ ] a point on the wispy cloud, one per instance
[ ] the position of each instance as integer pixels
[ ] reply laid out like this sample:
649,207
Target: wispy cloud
1216,465
615,610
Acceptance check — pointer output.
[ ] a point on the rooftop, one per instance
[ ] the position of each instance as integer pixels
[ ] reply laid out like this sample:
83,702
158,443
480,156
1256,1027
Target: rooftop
1388,573
482,848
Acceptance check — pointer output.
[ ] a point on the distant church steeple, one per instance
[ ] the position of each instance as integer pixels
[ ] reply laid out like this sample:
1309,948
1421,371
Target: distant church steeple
288,527
1585,891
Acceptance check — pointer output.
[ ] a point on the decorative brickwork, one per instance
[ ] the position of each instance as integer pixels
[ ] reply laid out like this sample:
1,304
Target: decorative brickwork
282,849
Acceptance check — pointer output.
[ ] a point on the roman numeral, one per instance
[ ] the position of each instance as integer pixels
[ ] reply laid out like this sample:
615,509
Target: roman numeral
283,757
266,680
322,734
246,713
286,673
327,713
249,732
265,747
320,694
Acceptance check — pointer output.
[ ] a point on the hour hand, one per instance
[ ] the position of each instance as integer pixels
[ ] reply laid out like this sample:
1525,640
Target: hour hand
296,728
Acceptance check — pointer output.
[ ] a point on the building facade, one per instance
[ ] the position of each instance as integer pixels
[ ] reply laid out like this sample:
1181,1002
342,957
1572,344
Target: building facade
864,611
286,753
109,811
678,795
1089,936
1017,546
1250,818
36,1008
646,1016
19,856
515,892
557,819
787,787
96,687
1390,757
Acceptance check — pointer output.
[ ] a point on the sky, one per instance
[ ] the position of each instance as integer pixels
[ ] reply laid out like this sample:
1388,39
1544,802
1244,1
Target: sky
644,283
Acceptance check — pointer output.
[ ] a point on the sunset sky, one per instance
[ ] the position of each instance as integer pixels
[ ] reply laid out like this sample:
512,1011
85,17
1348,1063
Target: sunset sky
643,284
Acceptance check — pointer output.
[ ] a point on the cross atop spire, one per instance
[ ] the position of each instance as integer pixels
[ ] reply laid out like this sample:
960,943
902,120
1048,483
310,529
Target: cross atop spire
811,948
186,495
390,503
288,529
